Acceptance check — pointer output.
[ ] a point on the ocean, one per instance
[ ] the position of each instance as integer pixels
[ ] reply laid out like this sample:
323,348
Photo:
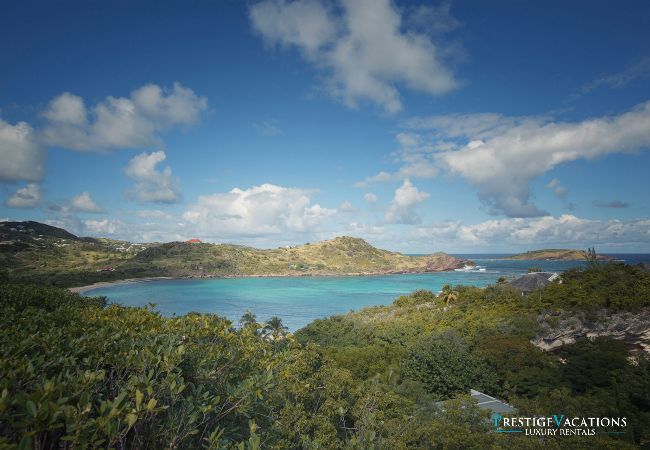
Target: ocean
300,300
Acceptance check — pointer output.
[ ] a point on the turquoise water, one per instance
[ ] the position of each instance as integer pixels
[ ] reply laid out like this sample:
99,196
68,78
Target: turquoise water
300,300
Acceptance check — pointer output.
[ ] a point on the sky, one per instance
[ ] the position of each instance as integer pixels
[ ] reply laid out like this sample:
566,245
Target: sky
457,126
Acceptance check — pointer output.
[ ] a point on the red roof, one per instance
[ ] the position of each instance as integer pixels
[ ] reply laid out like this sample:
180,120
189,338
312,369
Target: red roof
193,241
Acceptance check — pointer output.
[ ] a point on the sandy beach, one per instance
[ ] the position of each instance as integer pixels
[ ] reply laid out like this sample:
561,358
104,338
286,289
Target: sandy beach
101,284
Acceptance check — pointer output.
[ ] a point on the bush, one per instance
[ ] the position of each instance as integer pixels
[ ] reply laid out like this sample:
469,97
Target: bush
446,367
416,298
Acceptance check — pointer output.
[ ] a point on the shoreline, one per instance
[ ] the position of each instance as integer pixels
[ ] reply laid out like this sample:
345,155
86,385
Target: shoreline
81,290
101,284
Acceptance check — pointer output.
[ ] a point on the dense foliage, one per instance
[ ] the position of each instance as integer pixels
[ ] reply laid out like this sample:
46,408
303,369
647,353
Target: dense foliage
77,373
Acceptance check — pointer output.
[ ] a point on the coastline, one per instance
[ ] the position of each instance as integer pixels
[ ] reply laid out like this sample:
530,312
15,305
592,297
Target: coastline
81,290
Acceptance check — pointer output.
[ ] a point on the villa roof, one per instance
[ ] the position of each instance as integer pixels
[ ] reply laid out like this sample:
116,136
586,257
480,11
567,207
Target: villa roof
532,281
484,401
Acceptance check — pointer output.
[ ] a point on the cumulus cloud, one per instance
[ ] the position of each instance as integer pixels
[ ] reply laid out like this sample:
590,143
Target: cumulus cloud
563,231
154,214
161,230
152,185
346,206
104,227
613,204
22,158
117,123
501,155
432,19
402,208
27,197
362,46
258,211
84,203
503,164
416,166
370,197
558,190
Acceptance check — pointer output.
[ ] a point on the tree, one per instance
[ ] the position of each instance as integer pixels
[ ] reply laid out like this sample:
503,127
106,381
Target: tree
248,319
448,294
592,257
446,367
273,328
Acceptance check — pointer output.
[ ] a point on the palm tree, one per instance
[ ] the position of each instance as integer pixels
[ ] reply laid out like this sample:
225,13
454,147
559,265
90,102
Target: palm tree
273,328
248,319
448,294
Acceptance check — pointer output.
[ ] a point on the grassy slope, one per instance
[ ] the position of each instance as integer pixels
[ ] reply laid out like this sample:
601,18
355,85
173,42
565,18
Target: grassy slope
50,255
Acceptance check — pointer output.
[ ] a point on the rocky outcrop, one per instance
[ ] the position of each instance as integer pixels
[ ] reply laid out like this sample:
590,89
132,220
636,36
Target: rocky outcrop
440,262
633,328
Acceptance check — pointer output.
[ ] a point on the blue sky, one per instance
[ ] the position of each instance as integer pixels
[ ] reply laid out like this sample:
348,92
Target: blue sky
420,126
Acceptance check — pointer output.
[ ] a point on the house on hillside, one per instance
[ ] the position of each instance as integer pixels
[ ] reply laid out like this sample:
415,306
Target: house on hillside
488,403
532,281
193,241
491,404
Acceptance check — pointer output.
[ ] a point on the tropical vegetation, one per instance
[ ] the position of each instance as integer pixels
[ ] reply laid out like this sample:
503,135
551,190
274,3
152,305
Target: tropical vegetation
77,372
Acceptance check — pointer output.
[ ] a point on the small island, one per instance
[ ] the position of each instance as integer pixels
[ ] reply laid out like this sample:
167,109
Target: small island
555,255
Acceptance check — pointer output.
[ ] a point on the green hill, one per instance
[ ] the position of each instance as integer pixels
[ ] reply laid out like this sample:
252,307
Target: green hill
50,255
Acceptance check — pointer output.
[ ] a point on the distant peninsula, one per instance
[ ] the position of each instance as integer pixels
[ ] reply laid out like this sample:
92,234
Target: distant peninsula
554,255
33,251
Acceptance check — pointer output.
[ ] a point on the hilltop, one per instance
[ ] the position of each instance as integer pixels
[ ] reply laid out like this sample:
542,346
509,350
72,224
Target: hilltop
555,255
50,255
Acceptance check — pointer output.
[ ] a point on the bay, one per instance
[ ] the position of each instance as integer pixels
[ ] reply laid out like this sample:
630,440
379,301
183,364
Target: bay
300,300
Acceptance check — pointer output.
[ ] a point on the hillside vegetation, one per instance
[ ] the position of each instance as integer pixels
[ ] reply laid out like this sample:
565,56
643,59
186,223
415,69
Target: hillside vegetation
50,255
76,373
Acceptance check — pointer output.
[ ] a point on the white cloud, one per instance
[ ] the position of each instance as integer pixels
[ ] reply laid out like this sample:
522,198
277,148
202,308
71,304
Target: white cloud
557,188
417,166
259,211
117,123
27,197
346,206
104,227
370,197
162,230
501,155
84,203
618,80
402,208
502,165
432,19
361,45
268,128
155,214
565,231
22,158
158,186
